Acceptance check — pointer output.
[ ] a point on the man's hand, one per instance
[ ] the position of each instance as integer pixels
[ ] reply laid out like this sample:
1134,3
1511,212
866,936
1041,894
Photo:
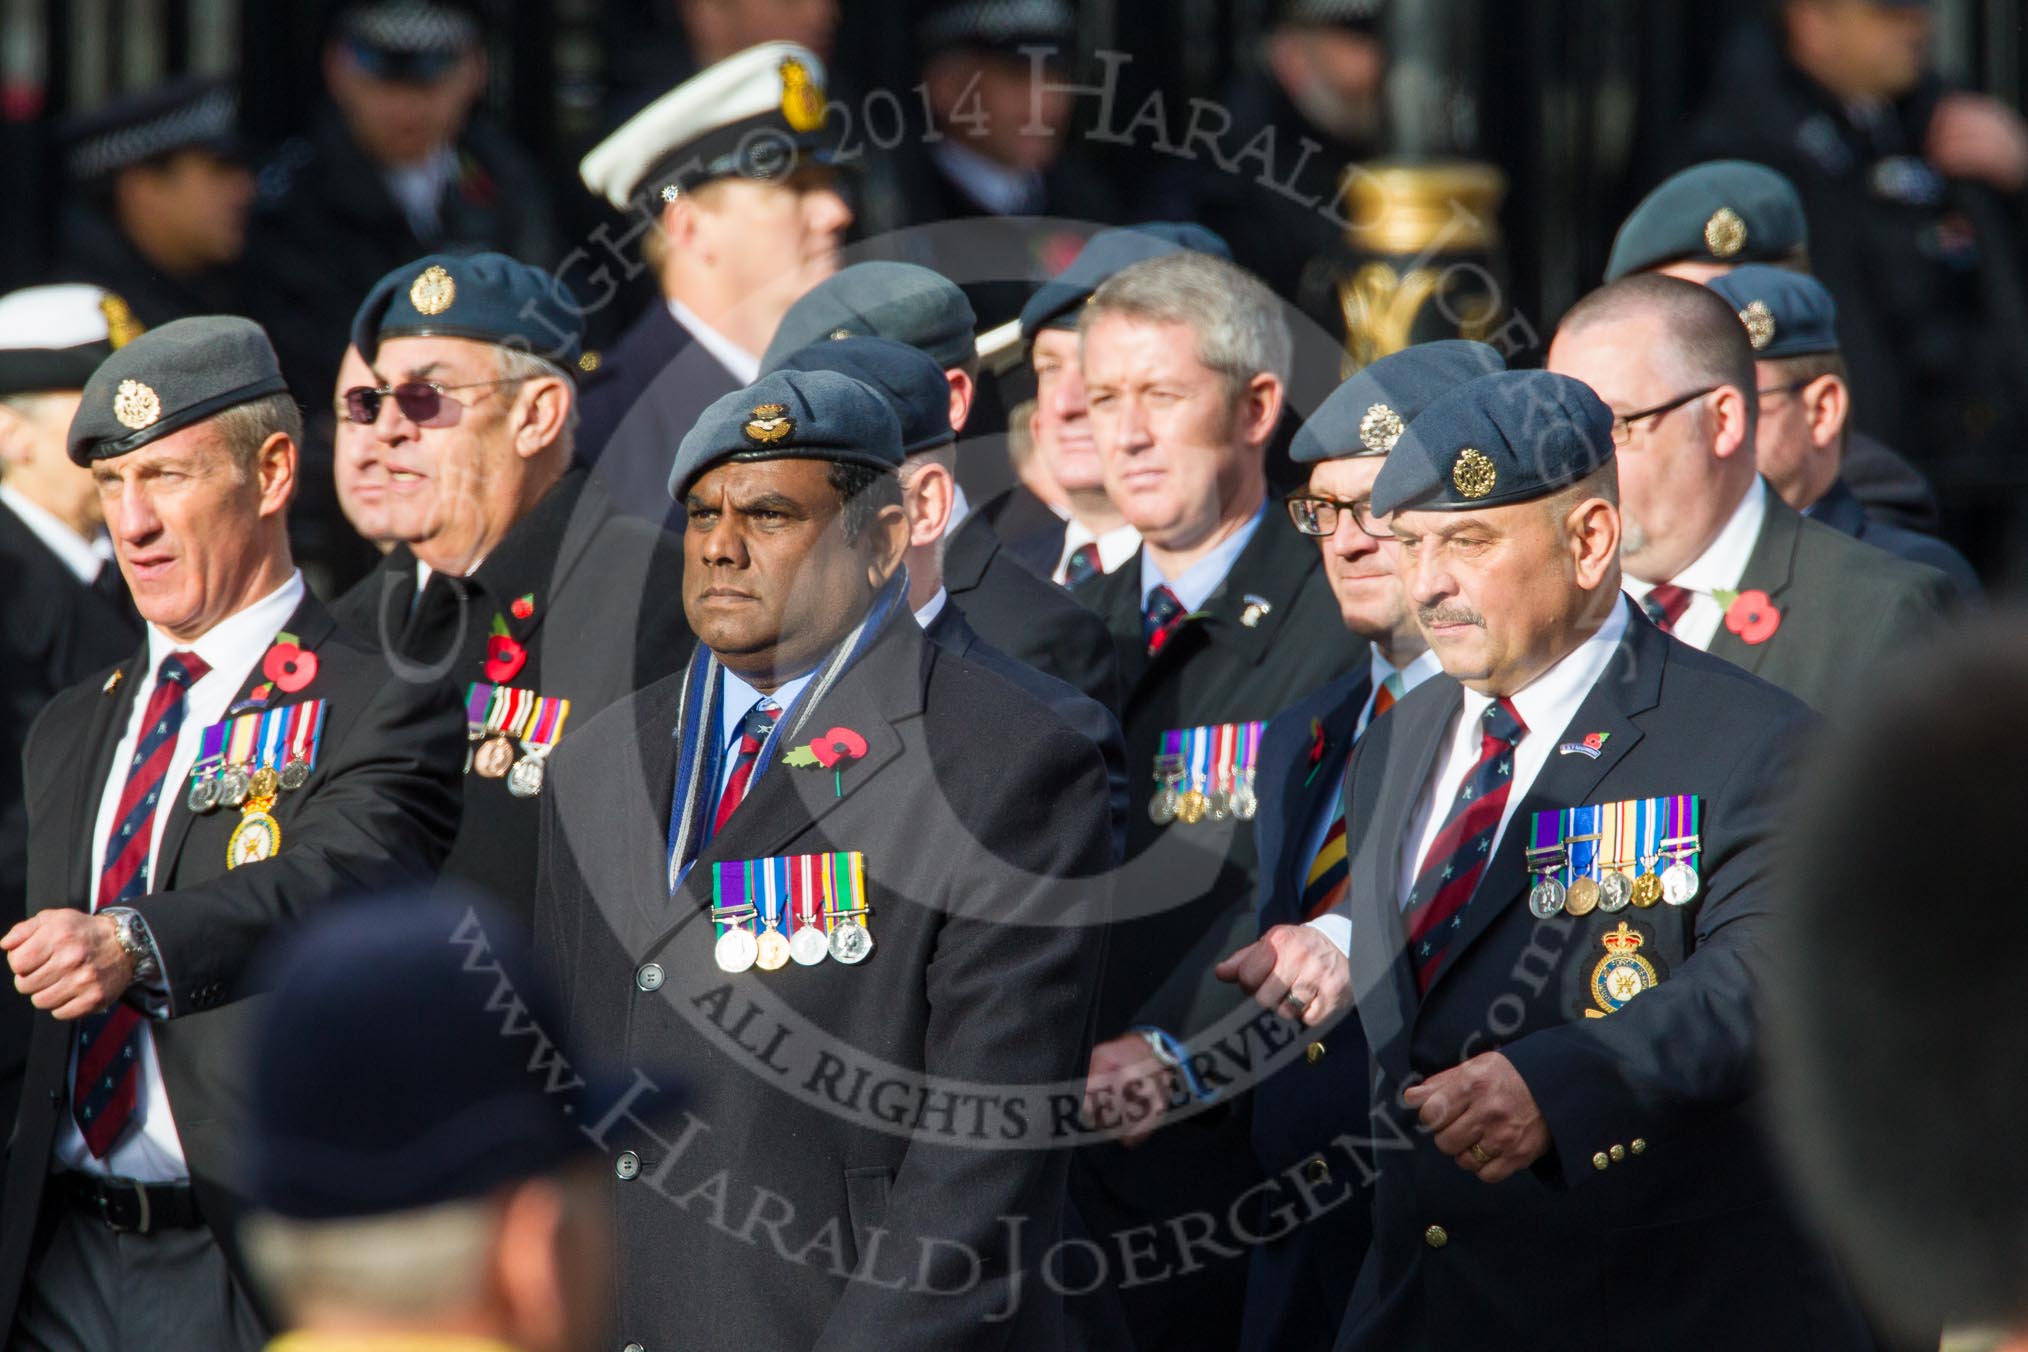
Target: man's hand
1976,137
1127,1089
1294,970
1483,1103
68,962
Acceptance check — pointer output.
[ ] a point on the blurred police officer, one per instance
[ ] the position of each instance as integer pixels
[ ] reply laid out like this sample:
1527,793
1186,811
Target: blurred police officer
1548,1090
1716,557
1011,609
738,214
1805,405
161,195
1298,1280
457,1206
1703,222
397,164
67,611
527,593
1065,526
249,764
815,727
1223,619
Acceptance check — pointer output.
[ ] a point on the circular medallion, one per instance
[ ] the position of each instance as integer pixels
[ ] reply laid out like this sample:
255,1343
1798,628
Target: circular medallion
525,779
1760,324
1582,897
1679,883
1545,898
1245,802
851,942
1162,807
1218,805
203,795
771,950
1615,890
808,946
494,757
136,405
1619,978
295,775
1647,890
1724,233
232,786
1380,429
258,836
1192,807
263,783
432,291
736,950
1472,473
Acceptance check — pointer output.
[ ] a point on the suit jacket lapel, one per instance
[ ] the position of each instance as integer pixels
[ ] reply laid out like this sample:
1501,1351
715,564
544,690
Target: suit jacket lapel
1631,685
1770,567
110,715
1302,802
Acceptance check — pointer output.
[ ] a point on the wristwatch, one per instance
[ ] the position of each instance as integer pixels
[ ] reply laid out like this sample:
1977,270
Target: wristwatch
132,933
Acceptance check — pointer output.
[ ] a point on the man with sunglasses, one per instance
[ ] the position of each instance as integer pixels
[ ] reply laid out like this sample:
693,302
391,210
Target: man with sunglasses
1715,557
527,593
1299,1280
1805,411
727,183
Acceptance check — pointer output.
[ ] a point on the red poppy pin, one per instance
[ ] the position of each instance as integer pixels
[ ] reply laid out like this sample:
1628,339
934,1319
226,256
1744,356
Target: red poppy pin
504,656
523,606
287,665
1316,749
1750,614
830,751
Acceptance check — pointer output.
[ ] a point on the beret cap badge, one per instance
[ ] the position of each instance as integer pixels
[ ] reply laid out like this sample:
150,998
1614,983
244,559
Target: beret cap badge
769,424
1760,324
1473,474
1724,233
432,291
802,100
1380,429
136,405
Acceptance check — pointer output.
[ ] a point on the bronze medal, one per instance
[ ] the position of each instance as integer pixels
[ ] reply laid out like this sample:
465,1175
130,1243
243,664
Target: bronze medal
494,758
771,951
1581,897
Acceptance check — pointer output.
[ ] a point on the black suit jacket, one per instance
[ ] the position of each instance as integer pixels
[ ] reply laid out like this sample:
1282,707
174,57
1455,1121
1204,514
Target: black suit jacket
607,617
1300,1277
967,828
1656,1201
1028,618
648,391
1027,528
378,812
1841,510
1846,608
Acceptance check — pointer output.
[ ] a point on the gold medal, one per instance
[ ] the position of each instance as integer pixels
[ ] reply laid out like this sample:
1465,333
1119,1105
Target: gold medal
1647,890
772,950
1193,807
264,783
1581,897
494,758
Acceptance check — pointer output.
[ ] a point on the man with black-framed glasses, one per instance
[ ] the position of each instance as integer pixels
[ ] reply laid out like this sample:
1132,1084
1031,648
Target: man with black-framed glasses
1805,411
1714,556
531,596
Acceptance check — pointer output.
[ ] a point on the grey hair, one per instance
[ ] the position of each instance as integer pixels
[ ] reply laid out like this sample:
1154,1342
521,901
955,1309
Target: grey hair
405,1265
1241,329
519,364
244,428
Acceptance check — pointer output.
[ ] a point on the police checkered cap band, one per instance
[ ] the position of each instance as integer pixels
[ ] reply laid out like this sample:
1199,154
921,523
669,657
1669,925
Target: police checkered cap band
210,117
412,27
1361,12
998,23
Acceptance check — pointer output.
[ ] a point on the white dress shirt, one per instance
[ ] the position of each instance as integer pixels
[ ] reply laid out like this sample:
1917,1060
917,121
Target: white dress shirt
744,365
1115,547
1718,568
737,699
1206,575
932,608
1546,705
151,1150
83,557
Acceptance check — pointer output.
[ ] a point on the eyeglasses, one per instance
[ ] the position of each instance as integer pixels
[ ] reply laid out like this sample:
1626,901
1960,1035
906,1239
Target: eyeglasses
1313,514
1792,387
423,402
1623,423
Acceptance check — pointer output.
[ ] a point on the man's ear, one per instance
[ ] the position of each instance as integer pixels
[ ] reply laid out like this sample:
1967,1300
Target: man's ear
1259,410
1730,408
1828,402
1593,530
275,471
886,542
963,390
541,411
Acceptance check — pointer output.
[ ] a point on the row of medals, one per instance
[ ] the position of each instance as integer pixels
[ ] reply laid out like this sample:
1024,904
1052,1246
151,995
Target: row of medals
493,757
739,948
237,783
1614,891
1175,803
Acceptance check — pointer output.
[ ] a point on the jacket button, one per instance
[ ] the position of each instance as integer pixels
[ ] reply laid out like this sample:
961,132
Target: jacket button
1316,1170
1638,1146
1314,1053
649,978
626,1165
1601,1161
633,1347
1619,1153
1436,1237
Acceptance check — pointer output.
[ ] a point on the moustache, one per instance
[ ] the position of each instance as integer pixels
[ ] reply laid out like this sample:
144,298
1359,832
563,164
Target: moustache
1429,615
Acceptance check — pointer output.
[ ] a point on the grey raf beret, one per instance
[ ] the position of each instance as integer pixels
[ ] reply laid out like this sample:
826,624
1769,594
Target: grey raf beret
791,415
1509,437
169,378
902,301
1368,413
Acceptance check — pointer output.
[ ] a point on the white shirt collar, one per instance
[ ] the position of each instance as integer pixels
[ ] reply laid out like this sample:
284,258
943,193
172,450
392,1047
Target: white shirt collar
738,698
1550,701
1115,547
744,365
1002,191
1424,666
236,642
1723,562
83,557
1203,577
931,609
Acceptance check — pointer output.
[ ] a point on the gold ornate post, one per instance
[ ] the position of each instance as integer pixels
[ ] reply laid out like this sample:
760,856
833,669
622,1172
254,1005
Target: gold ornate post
1426,255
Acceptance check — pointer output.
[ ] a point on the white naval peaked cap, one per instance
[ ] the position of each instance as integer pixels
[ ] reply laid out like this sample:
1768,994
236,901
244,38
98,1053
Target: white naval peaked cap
754,114
53,337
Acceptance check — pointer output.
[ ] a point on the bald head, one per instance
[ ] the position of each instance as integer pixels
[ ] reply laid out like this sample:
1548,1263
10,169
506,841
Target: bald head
1699,334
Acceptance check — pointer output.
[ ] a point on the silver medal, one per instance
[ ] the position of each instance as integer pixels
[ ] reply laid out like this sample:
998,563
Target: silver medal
1162,807
1545,899
808,945
295,774
1245,802
233,786
203,795
525,779
851,942
1679,884
736,950
1615,890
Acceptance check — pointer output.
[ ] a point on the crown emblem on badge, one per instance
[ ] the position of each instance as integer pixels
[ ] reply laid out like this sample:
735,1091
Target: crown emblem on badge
432,291
1760,324
1473,474
769,423
136,405
1622,941
802,100
1380,429
121,325
1724,233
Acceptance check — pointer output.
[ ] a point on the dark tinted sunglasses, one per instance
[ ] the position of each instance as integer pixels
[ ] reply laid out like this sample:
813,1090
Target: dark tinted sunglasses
423,402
